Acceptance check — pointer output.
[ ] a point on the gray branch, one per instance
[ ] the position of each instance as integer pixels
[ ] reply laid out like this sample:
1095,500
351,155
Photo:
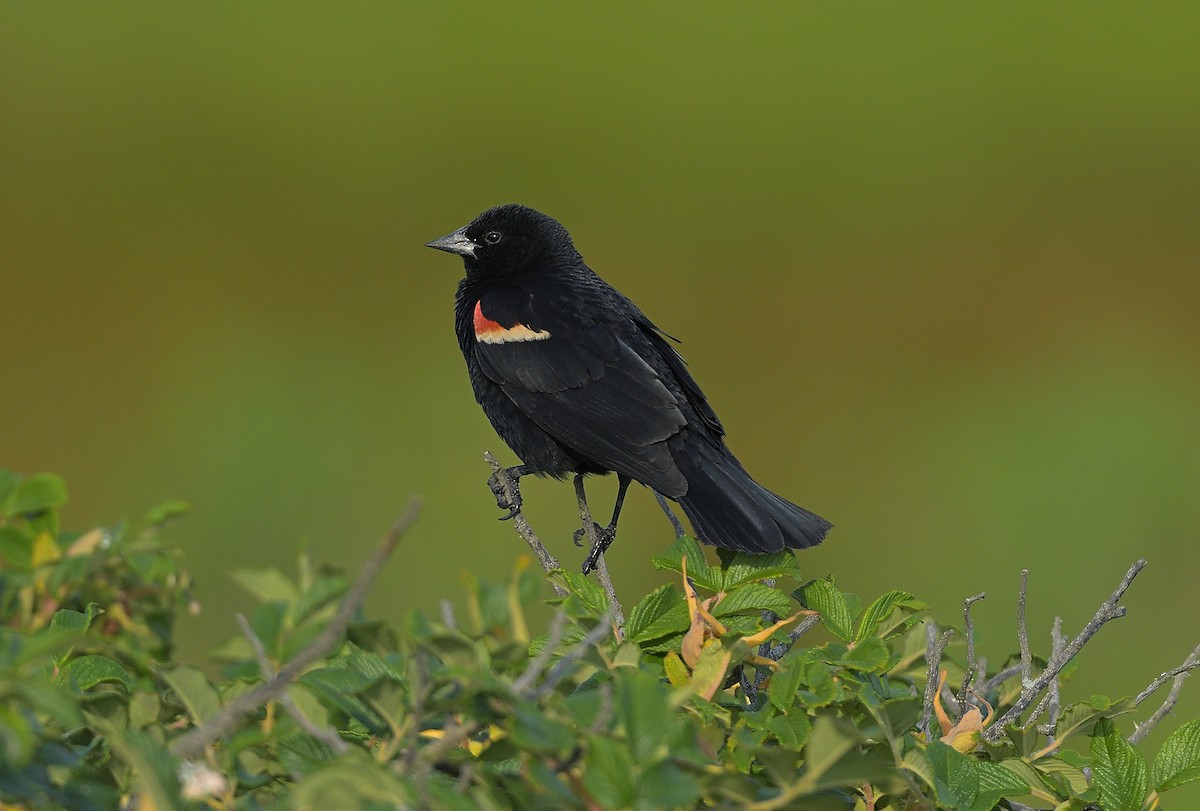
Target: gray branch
191,743
1179,675
1109,610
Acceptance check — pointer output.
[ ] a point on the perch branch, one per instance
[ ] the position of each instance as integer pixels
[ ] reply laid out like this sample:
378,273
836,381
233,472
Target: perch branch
191,743
548,561
969,629
934,648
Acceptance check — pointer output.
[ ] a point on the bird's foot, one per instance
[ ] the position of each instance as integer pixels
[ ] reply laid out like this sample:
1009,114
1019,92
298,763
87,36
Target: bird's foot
507,489
604,539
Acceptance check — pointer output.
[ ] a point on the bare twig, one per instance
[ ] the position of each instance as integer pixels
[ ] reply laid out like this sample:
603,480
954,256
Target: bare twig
192,743
537,665
1023,632
548,561
565,664
1108,611
934,648
1057,641
1179,675
969,675
448,614
666,508
803,627
995,681
327,735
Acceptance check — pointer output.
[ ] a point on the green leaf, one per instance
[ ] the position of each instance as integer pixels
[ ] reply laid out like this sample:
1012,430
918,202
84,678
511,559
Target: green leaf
756,597
266,585
650,608
51,701
1118,769
879,611
165,512
741,567
665,785
150,763
827,743
197,695
16,548
995,782
43,491
823,597
673,621
1081,717
1178,761
792,730
608,773
534,731
588,591
698,568
869,656
85,672
645,711
786,683
143,709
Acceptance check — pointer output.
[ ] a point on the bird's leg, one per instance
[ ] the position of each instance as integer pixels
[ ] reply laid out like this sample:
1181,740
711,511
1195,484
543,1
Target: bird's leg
506,486
599,537
666,508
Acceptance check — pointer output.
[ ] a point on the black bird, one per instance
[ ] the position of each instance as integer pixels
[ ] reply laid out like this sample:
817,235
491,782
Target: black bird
577,380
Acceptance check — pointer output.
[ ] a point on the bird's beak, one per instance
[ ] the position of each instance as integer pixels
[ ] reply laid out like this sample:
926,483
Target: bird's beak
458,243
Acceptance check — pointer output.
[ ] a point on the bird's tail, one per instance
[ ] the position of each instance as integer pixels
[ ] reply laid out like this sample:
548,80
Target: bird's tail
729,509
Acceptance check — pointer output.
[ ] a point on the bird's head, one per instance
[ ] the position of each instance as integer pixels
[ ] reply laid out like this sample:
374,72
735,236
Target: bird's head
509,241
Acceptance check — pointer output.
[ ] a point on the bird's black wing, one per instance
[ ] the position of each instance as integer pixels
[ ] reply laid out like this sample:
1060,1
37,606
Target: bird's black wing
581,383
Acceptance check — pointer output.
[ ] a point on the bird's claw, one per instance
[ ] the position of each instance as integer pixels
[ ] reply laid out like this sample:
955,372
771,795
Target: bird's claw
507,490
604,539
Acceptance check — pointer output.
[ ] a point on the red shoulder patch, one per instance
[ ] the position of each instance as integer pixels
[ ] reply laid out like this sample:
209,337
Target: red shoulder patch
493,332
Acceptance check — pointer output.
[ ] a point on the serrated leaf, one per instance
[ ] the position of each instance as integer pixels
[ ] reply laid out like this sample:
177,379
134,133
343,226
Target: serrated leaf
828,742
785,683
650,608
741,567
586,590
1058,770
43,491
792,730
673,621
753,597
85,672
996,782
879,611
193,689
1081,717
1118,769
699,570
645,711
608,773
266,585
869,656
1178,761
823,597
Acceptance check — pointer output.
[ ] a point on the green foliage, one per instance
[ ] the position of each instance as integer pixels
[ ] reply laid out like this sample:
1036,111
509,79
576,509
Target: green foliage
705,700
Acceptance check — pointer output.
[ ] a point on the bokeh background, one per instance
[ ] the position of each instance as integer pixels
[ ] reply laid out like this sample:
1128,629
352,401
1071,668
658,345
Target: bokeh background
935,266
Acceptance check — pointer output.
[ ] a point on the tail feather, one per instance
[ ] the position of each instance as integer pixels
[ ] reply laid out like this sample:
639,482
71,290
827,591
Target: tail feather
729,509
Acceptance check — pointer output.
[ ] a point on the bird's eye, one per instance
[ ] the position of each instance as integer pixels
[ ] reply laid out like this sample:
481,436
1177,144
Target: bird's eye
492,237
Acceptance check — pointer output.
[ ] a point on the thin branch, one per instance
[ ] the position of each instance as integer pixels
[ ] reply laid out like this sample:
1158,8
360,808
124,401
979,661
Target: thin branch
564,665
1057,642
934,648
548,561
1001,677
804,626
327,735
537,665
666,508
1023,632
448,615
969,674
1179,675
1108,611
191,743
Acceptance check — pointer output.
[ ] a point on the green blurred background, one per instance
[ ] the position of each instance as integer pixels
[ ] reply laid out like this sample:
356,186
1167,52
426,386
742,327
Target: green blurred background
935,266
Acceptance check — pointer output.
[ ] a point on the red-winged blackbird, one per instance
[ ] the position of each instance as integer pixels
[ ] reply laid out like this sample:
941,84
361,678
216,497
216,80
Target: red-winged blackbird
577,380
